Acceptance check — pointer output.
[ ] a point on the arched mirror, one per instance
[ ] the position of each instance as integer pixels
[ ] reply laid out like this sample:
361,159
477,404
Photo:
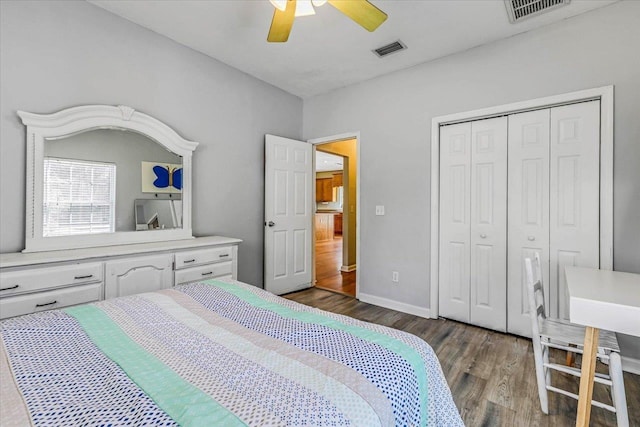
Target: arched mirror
101,175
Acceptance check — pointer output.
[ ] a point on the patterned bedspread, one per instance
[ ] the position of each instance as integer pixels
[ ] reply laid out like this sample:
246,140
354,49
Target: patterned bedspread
215,353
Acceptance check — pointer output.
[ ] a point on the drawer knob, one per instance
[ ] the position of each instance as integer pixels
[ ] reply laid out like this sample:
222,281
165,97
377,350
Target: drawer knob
46,304
484,236
531,238
223,255
10,287
83,277
187,261
207,273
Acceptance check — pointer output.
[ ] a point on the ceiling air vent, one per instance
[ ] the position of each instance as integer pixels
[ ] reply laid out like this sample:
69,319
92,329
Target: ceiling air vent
521,9
389,49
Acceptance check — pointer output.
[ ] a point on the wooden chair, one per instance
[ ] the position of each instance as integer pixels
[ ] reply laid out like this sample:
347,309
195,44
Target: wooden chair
555,333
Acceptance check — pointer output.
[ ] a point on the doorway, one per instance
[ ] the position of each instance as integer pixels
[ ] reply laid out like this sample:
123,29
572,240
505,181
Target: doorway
335,218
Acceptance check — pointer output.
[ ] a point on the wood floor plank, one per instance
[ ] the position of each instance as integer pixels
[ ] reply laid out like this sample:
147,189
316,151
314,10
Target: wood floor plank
328,262
491,374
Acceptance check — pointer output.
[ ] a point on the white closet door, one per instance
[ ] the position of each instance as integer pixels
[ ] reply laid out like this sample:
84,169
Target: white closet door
575,196
528,225
488,281
455,230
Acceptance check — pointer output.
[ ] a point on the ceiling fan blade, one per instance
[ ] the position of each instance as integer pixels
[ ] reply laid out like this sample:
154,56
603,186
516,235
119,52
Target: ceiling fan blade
282,23
361,11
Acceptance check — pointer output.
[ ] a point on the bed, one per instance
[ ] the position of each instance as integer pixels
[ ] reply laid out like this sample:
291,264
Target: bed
215,353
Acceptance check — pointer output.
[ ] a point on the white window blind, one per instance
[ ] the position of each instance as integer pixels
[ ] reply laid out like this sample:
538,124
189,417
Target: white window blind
79,197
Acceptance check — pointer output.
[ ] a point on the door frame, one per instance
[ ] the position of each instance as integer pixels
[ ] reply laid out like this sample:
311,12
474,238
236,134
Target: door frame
604,94
325,140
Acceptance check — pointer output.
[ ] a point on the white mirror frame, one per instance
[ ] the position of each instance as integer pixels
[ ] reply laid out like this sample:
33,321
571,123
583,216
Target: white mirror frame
85,118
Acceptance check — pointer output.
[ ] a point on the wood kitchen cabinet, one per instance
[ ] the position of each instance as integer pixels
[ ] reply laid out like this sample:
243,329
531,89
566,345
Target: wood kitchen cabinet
324,190
337,180
324,226
337,223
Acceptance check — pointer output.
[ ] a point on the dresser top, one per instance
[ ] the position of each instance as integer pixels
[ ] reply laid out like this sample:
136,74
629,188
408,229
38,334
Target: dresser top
19,259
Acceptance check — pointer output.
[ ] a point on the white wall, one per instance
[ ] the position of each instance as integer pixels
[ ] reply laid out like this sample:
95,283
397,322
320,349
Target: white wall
55,55
393,114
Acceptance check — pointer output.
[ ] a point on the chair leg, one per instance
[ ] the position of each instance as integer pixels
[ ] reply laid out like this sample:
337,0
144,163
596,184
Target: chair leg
541,376
571,357
617,389
545,359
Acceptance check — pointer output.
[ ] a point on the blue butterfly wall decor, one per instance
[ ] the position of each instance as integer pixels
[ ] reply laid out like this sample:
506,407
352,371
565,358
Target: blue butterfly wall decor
167,177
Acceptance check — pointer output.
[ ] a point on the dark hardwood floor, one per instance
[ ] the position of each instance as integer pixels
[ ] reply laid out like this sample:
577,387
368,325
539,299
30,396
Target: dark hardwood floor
328,263
491,374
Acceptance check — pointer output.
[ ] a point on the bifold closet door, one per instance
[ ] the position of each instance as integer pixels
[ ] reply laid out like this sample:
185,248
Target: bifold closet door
528,223
575,196
473,190
455,222
488,303
554,199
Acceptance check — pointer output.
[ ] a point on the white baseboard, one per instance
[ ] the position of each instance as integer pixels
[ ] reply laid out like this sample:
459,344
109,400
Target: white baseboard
348,268
631,365
394,305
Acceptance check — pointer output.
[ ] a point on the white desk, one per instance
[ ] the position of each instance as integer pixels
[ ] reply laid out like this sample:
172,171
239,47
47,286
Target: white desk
600,299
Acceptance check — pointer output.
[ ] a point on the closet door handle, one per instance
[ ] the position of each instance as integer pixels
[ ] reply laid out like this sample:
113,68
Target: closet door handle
483,236
531,238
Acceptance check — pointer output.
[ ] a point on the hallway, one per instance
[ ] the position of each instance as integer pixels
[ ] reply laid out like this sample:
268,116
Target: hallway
328,274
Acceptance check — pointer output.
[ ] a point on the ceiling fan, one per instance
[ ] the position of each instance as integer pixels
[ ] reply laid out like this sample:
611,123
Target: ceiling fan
360,11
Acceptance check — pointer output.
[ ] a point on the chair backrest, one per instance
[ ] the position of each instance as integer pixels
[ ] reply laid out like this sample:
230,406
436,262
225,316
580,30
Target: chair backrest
535,292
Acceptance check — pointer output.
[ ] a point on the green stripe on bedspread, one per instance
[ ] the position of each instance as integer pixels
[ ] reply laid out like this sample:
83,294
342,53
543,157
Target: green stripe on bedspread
186,404
390,343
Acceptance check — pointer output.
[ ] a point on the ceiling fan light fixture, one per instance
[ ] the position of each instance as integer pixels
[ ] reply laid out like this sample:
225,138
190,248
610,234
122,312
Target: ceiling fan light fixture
279,4
304,8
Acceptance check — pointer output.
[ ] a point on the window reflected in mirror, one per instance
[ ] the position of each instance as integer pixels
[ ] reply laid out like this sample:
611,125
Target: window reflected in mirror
94,181
79,197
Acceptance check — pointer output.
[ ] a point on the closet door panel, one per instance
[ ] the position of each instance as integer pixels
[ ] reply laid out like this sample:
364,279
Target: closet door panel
528,210
455,169
575,196
488,278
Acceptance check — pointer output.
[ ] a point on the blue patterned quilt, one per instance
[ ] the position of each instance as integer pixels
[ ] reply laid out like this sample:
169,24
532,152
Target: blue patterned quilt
215,353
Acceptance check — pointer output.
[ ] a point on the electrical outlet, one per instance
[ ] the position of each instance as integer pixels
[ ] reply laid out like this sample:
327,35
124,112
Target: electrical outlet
395,276
380,210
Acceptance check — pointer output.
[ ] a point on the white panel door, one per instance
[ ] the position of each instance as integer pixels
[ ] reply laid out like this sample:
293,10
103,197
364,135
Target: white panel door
287,207
488,268
575,196
528,211
139,274
455,227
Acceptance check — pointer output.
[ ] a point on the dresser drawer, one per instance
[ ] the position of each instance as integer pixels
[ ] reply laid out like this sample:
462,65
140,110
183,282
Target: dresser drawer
41,301
203,272
204,256
36,279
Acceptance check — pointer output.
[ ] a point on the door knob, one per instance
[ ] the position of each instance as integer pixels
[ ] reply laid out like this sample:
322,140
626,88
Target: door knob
531,238
271,223
484,236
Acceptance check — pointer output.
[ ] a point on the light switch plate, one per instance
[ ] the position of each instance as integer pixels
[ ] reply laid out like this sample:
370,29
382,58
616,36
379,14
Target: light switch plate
380,210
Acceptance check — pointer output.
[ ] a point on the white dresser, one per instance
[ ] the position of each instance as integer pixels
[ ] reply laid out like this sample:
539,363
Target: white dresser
32,282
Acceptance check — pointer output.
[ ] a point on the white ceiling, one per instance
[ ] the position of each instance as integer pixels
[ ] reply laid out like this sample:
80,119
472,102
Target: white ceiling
328,162
327,51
